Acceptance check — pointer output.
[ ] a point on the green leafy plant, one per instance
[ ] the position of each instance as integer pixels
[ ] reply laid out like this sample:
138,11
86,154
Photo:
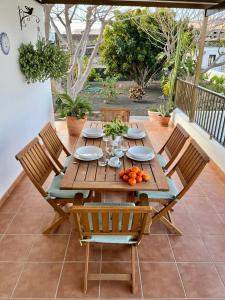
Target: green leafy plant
67,106
217,84
153,109
109,88
127,50
165,109
115,128
42,61
94,76
136,93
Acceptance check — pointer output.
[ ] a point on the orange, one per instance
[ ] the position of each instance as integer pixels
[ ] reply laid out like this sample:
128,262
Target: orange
132,175
132,181
125,177
121,173
140,173
135,169
146,177
127,171
139,179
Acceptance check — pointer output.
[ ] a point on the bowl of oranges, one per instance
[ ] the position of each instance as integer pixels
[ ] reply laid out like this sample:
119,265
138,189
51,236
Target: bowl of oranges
133,175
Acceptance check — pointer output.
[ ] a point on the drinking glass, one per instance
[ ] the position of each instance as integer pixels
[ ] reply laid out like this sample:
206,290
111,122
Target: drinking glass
103,161
124,145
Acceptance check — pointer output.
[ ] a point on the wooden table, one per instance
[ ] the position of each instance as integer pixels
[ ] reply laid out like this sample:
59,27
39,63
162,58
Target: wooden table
89,176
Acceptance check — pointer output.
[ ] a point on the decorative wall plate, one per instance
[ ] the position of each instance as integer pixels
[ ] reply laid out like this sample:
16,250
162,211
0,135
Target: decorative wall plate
4,43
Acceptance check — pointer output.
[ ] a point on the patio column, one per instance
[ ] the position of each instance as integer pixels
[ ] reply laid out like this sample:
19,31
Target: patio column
199,65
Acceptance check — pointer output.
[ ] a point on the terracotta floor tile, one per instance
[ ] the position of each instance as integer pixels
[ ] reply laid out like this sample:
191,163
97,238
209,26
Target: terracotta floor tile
76,252
9,273
12,204
28,223
195,190
112,252
71,283
189,248
38,280
161,280
216,247
185,223
158,228
155,248
221,270
119,289
15,247
197,204
208,225
37,203
49,248
5,220
201,280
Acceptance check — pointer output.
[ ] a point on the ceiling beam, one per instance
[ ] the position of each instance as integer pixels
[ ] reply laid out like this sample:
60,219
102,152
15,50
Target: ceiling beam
146,3
215,9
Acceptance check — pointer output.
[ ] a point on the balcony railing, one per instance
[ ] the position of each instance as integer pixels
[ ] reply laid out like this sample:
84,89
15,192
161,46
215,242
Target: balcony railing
204,107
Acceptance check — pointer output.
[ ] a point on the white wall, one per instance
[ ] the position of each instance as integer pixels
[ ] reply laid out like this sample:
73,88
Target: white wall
214,150
24,109
212,51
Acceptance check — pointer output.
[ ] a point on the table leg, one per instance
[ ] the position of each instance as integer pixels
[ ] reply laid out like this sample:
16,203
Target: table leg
131,197
98,196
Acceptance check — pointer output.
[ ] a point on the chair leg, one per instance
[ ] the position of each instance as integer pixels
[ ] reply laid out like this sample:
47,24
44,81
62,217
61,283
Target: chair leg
133,268
160,216
86,267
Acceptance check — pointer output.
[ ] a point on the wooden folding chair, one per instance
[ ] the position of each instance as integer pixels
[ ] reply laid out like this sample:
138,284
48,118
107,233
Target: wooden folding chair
38,166
109,114
188,168
107,223
173,146
54,146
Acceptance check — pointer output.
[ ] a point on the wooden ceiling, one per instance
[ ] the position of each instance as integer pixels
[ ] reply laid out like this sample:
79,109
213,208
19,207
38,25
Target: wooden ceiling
211,5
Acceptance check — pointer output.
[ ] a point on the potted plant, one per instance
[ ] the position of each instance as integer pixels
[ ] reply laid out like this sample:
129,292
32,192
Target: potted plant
165,110
75,111
115,129
153,113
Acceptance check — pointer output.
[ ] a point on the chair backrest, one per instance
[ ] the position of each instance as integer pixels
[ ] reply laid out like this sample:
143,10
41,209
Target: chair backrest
189,166
36,164
174,144
53,143
111,220
109,114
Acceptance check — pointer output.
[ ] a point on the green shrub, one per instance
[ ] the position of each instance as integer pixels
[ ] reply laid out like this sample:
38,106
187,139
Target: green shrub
67,106
42,61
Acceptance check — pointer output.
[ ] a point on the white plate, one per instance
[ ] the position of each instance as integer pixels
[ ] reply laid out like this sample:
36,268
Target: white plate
92,137
139,159
141,152
135,138
88,153
135,133
93,132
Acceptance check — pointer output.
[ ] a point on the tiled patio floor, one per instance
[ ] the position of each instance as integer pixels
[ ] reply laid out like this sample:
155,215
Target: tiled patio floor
173,267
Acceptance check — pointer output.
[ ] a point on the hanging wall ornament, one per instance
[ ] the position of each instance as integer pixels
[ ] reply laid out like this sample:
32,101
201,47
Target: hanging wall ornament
26,15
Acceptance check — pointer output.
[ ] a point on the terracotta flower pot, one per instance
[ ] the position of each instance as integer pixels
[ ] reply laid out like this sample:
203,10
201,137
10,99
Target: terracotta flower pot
164,121
75,125
153,116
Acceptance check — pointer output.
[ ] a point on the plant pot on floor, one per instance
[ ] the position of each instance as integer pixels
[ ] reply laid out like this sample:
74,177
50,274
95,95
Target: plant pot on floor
164,121
75,125
153,115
